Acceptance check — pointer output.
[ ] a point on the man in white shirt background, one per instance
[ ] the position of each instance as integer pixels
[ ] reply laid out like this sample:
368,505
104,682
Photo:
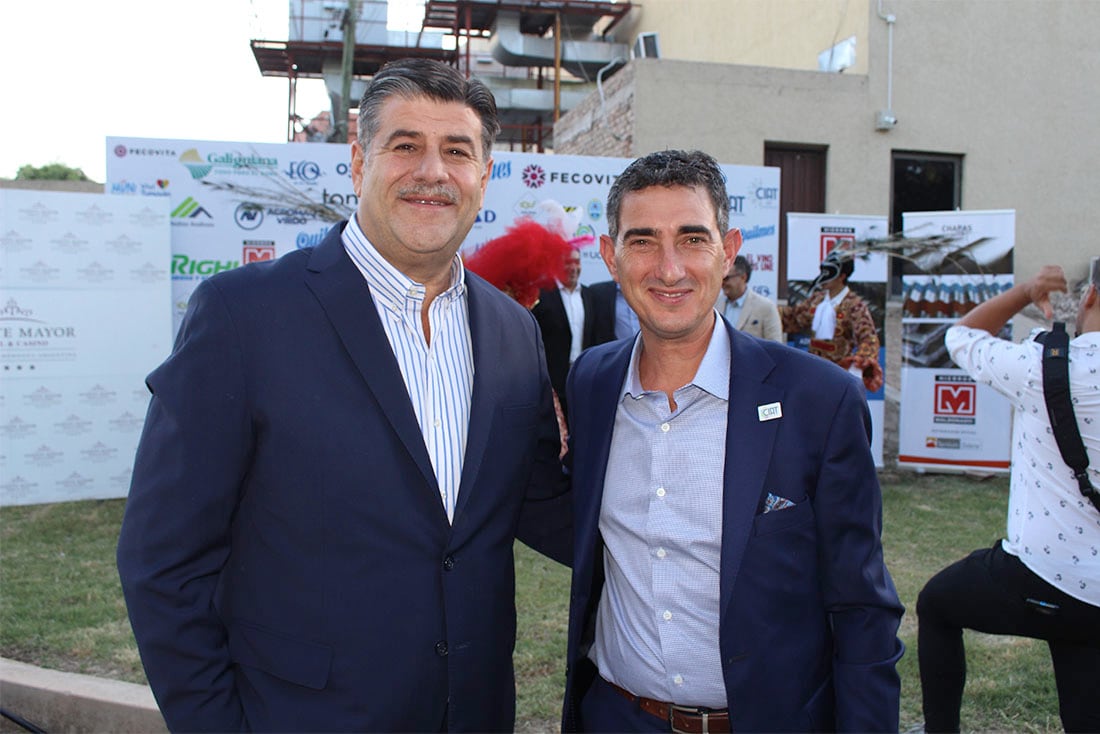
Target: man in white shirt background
1042,580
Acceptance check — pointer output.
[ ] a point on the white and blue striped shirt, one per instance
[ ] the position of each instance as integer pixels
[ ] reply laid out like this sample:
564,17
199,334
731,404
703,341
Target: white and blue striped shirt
439,376
661,522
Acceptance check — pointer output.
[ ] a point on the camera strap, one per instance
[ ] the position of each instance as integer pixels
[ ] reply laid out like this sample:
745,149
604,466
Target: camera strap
1059,402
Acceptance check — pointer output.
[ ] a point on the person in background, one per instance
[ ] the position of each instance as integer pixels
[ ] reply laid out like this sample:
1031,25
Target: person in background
1043,579
340,453
524,263
747,311
728,571
569,323
839,321
612,310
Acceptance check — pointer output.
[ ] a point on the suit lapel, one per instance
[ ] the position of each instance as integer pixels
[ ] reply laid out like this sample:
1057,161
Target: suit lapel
346,299
600,403
749,445
485,335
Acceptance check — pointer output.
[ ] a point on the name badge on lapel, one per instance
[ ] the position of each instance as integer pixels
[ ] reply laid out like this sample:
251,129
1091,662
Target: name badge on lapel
769,412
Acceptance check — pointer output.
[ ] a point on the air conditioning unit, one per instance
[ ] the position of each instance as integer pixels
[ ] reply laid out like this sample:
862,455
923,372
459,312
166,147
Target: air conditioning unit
646,47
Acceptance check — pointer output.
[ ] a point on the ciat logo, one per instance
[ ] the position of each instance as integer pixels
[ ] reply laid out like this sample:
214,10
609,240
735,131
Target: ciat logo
534,176
956,398
254,252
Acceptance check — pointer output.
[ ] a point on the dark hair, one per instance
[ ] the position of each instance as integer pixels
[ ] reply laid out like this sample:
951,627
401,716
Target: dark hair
671,168
742,265
411,78
847,267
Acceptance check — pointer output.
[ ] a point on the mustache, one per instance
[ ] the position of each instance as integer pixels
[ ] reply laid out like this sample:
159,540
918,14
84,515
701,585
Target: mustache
429,192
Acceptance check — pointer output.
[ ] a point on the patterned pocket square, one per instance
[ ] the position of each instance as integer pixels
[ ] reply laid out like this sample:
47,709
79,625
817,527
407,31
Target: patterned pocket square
775,502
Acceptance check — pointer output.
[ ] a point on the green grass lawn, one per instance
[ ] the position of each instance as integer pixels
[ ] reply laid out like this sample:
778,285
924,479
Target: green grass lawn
61,605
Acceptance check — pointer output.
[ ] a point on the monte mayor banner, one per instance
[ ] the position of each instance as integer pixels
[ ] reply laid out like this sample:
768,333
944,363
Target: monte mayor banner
233,203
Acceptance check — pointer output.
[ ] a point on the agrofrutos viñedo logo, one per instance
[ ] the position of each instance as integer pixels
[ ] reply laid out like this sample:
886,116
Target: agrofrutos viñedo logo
231,163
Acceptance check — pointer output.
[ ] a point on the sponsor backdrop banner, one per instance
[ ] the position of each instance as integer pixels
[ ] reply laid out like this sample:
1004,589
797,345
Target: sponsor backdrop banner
234,203
948,422
84,316
810,237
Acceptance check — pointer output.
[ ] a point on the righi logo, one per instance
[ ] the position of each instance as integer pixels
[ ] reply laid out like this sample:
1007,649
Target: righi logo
190,209
184,266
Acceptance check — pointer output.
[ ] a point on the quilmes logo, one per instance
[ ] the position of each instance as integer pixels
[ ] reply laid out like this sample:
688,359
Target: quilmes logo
200,167
533,176
303,170
310,239
255,251
249,215
190,209
501,170
955,399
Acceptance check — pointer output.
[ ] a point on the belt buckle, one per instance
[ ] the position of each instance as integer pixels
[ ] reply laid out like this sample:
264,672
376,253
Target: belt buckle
703,715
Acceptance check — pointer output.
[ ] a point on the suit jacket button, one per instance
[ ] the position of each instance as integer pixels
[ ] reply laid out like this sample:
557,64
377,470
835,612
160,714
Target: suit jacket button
448,563
441,649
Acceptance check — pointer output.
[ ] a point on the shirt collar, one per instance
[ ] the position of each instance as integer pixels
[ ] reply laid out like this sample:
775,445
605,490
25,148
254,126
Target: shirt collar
386,282
713,374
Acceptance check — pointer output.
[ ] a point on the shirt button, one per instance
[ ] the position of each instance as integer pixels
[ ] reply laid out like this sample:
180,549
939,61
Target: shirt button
667,615
441,649
661,553
437,423
665,427
448,563
660,491
678,679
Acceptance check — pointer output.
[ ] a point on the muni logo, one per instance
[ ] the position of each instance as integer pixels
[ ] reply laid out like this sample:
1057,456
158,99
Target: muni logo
956,398
190,209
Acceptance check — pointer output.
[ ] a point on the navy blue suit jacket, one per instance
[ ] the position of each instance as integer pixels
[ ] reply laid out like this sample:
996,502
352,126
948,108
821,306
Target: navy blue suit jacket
285,556
809,614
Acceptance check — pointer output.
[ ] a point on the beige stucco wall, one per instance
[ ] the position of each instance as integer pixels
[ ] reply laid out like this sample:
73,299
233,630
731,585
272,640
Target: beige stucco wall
786,34
1009,85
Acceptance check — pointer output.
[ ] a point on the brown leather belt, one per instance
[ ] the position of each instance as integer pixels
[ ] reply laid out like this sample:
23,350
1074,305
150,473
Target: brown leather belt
682,719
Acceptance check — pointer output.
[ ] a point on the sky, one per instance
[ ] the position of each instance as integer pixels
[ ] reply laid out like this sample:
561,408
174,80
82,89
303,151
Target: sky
77,71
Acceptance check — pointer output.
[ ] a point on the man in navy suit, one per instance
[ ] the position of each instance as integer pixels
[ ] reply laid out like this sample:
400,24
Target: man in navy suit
728,571
339,454
569,323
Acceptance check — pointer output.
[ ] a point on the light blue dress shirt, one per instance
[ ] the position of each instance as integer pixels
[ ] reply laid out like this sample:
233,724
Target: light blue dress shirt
661,521
439,376
626,321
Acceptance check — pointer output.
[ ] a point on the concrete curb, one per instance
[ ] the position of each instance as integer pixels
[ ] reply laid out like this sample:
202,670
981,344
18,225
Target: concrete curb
71,702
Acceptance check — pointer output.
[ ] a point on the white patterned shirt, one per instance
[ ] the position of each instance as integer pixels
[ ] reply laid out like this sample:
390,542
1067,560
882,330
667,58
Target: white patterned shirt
1052,528
439,376
661,522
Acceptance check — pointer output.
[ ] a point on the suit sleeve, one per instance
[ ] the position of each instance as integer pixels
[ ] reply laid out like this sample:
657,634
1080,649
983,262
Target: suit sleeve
546,518
860,599
175,536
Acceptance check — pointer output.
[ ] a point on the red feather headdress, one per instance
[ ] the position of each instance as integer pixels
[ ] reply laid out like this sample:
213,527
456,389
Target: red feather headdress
526,258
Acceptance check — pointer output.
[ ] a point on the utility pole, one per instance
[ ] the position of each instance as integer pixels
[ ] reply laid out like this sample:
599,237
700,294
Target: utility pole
347,68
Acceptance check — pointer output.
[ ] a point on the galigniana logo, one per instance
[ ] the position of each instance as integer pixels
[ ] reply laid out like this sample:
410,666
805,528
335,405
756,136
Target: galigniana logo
534,176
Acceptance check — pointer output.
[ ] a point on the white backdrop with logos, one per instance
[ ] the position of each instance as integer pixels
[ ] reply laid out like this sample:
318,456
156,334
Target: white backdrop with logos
85,315
810,237
948,422
233,203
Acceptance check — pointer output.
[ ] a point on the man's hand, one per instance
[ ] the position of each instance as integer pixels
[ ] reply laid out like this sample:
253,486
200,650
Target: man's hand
1050,278
992,315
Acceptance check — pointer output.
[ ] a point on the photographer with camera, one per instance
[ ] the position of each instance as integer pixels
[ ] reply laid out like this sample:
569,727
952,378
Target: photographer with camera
1042,580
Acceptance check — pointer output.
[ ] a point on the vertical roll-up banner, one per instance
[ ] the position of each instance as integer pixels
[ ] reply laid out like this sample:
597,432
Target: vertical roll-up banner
810,237
948,422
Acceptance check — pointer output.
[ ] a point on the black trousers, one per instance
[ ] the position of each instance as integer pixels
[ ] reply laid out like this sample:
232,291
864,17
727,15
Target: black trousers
993,592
